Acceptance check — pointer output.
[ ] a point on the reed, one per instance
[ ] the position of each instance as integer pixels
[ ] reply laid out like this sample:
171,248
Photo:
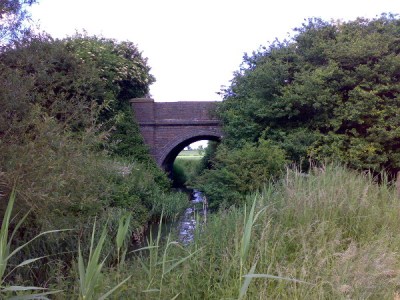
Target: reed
121,238
6,253
158,262
249,221
329,235
90,275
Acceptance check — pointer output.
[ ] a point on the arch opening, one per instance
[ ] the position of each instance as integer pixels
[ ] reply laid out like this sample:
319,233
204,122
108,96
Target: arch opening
168,161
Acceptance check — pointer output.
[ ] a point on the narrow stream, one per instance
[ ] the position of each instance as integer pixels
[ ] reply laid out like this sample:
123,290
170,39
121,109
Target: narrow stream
184,226
197,211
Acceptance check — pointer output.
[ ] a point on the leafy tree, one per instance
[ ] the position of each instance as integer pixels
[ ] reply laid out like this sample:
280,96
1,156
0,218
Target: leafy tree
124,74
208,158
57,108
83,82
120,65
331,91
68,138
12,15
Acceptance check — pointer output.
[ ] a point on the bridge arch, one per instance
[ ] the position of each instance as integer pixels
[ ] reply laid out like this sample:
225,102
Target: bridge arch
172,149
168,127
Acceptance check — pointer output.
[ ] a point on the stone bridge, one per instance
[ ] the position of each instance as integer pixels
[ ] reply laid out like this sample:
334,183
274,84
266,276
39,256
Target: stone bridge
168,127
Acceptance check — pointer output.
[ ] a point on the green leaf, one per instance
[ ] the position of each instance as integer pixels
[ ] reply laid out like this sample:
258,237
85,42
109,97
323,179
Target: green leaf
180,261
114,289
18,288
35,296
29,261
275,277
246,283
151,291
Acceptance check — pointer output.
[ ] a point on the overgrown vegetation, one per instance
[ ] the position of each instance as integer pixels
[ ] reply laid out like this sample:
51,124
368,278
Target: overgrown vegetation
67,138
68,143
63,125
330,92
187,167
237,172
329,235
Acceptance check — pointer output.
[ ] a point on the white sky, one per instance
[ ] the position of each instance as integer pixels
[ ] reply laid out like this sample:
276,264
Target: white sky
193,47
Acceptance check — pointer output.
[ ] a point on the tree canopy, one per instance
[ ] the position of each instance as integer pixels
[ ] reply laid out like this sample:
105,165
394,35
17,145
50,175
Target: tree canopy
332,90
66,130
12,15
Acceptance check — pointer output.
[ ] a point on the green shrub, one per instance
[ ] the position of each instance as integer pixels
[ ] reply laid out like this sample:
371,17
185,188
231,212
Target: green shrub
178,173
168,204
185,171
329,91
238,172
68,138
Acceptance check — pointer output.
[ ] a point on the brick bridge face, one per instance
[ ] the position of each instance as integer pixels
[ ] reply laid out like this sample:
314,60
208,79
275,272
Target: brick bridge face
168,127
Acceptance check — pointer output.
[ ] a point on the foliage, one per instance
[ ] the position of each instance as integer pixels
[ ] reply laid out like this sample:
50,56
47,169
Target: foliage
41,77
119,64
158,263
89,275
179,172
67,137
329,235
13,14
209,156
238,172
168,204
332,90
124,75
125,140
7,253
52,101
122,237
72,81
185,170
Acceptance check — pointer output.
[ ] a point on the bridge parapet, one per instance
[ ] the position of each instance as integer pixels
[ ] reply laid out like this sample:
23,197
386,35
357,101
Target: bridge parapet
148,111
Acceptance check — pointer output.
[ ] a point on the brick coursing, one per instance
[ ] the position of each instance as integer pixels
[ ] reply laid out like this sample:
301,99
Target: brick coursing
168,127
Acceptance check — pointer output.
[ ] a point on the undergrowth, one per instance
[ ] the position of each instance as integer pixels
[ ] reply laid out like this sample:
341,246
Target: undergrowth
330,234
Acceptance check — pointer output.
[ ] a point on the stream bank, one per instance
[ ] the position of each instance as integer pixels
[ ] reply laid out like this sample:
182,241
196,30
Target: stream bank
183,226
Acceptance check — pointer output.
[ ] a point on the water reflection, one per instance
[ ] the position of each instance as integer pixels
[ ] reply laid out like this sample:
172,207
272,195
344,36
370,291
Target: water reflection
184,226
188,221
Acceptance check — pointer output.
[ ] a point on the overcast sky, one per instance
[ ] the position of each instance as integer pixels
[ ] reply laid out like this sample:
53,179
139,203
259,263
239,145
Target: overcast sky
193,47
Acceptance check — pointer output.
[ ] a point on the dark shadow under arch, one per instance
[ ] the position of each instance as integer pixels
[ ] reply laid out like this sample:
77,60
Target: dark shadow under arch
171,152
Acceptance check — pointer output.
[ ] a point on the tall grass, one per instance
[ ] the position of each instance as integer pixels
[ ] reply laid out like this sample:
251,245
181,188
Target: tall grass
6,253
157,263
90,275
121,238
330,235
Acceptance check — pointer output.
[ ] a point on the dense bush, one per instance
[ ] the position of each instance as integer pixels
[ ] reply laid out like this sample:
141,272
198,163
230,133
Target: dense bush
69,144
331,91
185,171
237,172
51,128
209,156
